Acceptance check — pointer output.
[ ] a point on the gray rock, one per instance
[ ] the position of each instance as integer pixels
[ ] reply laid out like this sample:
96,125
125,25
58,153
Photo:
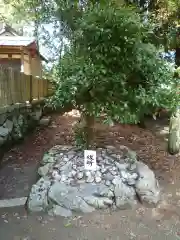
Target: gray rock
36,114
108,176
60,211
42,171
64,178
67,167
98,174
103,170
66,196
98,203
45,121
131,180
103,191
124,195
107,183
121,166
73,173
80,175
9,125
4,132
37,200
124,203
97,179
3,117
90,179
56,176
48,158
147,187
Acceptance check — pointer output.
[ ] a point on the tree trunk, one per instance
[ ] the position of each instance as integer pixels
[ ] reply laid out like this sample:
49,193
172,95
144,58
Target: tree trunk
174,127
174,133
89,130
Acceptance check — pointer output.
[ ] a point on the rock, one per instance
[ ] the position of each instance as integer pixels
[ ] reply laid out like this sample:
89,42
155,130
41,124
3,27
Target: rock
3,118
36,114
103,191
66,196
37,200
98,203
107,183
48,158
9,125
147,187
80,175
121,166
42,171
2,141
124,195
124,203
73,173
56,176
97,179
90,179
108,176
4,132
67,167
129,178
59,211
72,188
64,178
45,121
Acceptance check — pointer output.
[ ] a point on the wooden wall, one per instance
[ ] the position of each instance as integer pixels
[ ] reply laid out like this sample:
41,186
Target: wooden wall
31,66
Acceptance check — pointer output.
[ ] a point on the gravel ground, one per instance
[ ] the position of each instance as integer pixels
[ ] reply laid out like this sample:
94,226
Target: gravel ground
141,223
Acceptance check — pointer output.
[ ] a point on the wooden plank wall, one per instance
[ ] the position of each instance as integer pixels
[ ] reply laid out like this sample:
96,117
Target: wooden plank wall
16,87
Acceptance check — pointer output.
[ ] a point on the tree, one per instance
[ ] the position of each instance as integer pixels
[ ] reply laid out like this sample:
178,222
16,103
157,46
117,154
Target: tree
111,68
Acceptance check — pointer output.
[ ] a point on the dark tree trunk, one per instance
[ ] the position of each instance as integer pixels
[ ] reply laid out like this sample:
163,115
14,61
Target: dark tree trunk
174,126
89,131
174,133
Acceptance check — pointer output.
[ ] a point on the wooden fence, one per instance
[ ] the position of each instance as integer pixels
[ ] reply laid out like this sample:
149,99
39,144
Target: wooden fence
16,87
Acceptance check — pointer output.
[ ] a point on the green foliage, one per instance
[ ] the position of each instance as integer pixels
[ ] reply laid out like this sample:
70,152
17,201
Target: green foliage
111,68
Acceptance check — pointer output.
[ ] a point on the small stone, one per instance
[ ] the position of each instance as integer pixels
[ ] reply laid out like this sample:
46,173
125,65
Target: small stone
124,174
87,174
103,170
98,174
74,166
81,168
108,176
67,167
114,168
80,175
4,132
66,159
42,171
63,178
113,173
90,179
73,173
114,181
97,179
121,166
107,183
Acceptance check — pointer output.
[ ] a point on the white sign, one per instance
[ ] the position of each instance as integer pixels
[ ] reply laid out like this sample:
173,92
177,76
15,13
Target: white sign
90,160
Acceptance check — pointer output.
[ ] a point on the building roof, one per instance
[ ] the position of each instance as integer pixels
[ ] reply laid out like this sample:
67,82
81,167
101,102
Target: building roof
18,41
4,27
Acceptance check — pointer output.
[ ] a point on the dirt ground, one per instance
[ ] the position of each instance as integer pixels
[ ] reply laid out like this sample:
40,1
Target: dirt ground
19,173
